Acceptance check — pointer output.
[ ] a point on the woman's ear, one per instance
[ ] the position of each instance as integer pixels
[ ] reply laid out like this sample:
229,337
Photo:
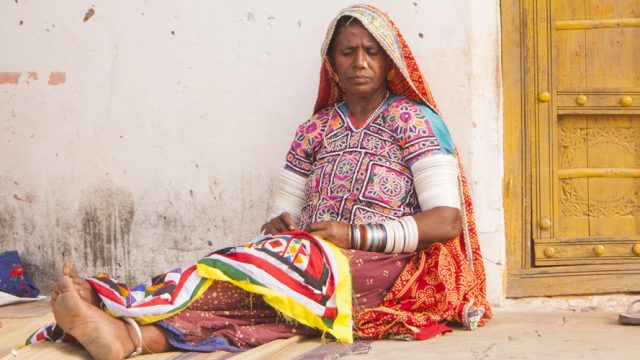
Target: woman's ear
391,73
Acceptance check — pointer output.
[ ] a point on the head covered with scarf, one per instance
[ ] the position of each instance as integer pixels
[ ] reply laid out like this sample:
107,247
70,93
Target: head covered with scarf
401,312
404,79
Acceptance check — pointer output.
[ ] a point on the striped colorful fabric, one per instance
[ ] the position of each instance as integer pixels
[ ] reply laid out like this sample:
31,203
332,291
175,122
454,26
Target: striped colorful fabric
164,296
304,278
50,332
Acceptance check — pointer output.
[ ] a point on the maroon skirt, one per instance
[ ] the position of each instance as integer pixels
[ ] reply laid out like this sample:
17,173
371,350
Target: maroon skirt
228,318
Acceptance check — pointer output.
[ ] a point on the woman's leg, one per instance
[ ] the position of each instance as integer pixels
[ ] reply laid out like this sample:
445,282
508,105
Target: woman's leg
104,336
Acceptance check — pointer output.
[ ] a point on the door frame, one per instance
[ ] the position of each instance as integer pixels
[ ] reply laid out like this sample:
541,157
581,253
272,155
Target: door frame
520,68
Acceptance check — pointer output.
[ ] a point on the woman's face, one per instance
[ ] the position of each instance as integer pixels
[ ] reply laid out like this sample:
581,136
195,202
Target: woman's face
360,63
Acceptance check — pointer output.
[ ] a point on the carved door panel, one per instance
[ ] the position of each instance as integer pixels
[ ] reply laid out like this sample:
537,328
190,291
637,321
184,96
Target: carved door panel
586,133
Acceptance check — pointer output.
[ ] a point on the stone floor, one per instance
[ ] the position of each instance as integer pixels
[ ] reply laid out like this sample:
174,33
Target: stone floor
530,335
533,334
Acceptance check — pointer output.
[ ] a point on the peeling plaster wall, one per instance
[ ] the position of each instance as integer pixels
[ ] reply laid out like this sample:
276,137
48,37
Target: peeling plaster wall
136,136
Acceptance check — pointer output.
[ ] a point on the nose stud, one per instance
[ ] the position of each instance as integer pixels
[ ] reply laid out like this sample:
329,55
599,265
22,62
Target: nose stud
365,65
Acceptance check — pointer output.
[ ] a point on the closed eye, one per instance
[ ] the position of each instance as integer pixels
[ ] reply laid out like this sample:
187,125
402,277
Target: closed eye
347,52
373,50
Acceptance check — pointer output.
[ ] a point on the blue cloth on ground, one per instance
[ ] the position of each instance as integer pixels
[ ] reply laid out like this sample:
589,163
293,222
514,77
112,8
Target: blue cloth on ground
13,279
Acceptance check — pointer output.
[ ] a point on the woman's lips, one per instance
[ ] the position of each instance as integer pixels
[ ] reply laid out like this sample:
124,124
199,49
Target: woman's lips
359,79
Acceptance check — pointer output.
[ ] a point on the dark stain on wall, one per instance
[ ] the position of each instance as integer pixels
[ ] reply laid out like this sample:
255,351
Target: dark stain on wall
88,15
106,212
7,226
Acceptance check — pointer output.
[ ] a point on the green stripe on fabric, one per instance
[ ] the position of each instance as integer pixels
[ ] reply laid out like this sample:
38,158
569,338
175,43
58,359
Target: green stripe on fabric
193,295
327,321
229,270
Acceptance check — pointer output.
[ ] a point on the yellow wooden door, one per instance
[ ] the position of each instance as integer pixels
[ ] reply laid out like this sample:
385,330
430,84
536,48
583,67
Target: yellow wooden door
579,161
588,137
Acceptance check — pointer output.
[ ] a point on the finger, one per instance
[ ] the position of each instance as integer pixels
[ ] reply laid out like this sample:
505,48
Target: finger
316,226
279,225
54,295
310,227
273,228
268,230
78,281
288,221
318,232
55,291
322,234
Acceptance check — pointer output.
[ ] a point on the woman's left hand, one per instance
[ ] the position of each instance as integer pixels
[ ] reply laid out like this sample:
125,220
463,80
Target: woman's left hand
332,231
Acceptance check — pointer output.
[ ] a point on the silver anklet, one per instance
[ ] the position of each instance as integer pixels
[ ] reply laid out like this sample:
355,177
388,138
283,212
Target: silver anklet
136,328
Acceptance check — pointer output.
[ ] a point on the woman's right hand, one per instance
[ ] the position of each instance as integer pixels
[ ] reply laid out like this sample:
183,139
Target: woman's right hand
281,223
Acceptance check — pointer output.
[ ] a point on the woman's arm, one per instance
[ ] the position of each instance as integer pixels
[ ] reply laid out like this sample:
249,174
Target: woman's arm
435,225
436,185
287,204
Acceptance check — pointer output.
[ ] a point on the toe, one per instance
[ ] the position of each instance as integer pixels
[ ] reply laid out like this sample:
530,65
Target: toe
55,291
67,268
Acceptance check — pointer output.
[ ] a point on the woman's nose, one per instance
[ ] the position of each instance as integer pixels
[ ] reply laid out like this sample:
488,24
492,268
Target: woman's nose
360,59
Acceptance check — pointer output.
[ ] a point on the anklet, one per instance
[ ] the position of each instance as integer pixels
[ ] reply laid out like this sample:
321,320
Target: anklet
136,328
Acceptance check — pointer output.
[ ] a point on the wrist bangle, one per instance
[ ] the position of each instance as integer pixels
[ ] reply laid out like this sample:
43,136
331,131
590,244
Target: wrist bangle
364,239
355,236
402,235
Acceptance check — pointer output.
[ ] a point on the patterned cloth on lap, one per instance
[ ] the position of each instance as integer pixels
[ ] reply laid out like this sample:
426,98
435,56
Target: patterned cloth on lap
307,280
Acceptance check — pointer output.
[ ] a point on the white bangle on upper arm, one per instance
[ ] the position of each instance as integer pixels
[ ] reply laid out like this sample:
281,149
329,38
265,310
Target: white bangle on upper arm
435,179
290,196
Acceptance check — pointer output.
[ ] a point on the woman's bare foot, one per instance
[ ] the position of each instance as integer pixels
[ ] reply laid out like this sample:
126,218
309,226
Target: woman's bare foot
105,337
85,290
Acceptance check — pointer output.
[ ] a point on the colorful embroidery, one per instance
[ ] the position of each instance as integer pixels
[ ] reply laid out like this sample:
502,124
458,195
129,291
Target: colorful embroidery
297,274
365,169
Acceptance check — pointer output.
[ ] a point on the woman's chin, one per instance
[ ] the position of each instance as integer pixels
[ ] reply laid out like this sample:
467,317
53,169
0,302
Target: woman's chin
363,90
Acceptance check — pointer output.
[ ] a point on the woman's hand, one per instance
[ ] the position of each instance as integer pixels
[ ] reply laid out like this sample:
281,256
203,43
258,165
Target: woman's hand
332,231
281,223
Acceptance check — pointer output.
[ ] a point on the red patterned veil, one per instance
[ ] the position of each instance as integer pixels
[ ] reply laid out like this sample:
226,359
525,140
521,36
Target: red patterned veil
447,282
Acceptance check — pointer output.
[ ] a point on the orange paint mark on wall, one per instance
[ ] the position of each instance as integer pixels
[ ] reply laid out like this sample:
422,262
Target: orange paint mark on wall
31,75
57,78
9,77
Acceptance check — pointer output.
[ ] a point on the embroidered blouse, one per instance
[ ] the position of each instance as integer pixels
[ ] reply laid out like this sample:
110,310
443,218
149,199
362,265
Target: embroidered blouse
363,175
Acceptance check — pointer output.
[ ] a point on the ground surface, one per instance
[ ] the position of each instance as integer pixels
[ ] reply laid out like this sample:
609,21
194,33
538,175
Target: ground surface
510,335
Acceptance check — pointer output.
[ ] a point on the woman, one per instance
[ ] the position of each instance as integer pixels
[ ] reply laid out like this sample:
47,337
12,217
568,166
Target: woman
377,152
374,172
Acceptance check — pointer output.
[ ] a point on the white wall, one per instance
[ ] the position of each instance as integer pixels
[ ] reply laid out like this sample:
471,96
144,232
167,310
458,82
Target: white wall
165,135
